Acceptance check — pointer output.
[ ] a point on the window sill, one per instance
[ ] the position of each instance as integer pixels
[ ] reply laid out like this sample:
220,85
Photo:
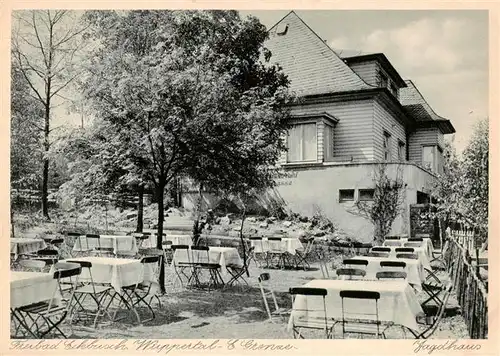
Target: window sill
301,164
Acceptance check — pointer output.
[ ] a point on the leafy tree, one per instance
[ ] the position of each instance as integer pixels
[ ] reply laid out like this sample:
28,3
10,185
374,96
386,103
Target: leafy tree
25,153
45,46
475,189
177,89
387,203
445,205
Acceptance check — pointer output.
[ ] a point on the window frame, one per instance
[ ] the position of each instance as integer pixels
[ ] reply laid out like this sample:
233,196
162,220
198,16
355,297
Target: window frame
360,191
302,123
434,163
386,145
401,151
343,200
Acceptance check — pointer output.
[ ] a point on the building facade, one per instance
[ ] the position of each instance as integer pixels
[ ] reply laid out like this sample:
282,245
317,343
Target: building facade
355,111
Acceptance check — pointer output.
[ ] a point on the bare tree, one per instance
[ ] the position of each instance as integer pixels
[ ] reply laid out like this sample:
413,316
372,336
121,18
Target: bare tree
45,48
388,201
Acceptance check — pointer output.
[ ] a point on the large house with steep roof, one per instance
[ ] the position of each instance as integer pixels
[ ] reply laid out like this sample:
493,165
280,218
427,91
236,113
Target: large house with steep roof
355,112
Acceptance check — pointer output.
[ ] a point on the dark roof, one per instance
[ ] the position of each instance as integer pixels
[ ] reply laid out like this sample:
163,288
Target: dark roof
380,57
417,107
310,64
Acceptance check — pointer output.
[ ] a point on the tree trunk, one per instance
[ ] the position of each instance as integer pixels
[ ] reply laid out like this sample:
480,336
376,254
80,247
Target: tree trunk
196,225
45,174
243,217
45,189
13,233
140,211
159,236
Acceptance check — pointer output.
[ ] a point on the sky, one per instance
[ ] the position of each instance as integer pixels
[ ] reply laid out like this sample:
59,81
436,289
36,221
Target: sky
444,52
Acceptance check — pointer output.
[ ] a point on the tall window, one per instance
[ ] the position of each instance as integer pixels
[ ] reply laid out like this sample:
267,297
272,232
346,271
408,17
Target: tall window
302,143
429,158
328,142
401,151
387,146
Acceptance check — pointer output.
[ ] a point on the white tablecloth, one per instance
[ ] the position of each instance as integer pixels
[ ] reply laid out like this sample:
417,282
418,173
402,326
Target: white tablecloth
221,255
176,240
118,272
20,246
414,269
287,244
398,302
118,243
31,287
427,243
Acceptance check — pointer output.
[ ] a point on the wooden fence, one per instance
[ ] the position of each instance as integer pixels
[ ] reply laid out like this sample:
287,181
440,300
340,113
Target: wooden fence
471,290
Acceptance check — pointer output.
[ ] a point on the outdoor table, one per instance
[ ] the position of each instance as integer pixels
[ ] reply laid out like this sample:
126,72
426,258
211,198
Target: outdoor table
124,243
420,251
117,272
427,243
287,244
223,256
398,302
27,288
176,240
414,269
21,246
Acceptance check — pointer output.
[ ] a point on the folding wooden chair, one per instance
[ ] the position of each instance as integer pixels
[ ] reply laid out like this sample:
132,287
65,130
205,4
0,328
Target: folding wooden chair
49,256
167,251
140,238
29,265
392,237
148,289
411,256
99,250
378,254
393,243
50,313
323,264
249,252
71,238
393,264
438,256
259,253
201,260
390,275
404,250
356,322
431,322
355,262
309,317
180,267
276,252
267,292
98,294
433,287
413,244
130,292
350,273
380,249
302,256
